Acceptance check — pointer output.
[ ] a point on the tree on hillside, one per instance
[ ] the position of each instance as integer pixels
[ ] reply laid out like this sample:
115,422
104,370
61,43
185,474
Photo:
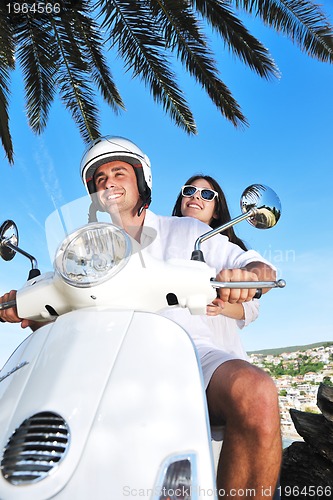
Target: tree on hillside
60,46
328,381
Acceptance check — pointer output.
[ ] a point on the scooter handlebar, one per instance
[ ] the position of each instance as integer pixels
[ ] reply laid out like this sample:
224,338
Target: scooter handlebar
8,304
248,284
215,284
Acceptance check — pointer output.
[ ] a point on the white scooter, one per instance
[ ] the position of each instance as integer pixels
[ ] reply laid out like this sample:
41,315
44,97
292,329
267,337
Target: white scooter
107,402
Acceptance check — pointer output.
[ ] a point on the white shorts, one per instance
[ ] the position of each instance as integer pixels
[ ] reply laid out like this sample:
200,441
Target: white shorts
210,359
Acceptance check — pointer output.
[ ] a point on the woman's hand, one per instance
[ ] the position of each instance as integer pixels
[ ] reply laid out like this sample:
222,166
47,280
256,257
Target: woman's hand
234,311
216,307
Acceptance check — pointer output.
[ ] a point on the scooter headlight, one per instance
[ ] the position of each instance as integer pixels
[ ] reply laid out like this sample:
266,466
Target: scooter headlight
92,254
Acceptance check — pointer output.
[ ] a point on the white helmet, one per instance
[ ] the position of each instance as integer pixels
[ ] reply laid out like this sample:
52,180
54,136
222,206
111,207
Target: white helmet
111,148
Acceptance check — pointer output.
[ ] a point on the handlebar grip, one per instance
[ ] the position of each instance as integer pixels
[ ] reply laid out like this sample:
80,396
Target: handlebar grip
258,293
7,305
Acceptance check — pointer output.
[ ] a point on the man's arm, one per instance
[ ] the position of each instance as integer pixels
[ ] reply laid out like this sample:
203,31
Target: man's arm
263,272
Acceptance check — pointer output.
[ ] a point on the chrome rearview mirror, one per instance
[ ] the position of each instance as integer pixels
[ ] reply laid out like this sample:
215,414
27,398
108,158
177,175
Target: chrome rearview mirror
260,205
266,203
9,246
262,208
8,239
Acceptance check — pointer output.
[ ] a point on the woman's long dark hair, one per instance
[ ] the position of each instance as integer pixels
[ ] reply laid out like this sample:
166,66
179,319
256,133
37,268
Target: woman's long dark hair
221,209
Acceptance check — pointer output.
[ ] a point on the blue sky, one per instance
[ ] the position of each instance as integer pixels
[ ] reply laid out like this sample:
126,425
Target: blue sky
288,146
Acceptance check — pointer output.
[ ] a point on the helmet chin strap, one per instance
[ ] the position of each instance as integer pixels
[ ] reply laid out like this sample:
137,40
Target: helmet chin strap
145,202
141,208
94,208
92,214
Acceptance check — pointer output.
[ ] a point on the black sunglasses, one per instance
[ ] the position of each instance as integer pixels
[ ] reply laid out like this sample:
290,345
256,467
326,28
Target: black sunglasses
206,194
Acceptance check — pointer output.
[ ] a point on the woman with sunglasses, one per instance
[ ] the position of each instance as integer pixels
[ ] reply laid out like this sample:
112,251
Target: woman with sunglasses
202,198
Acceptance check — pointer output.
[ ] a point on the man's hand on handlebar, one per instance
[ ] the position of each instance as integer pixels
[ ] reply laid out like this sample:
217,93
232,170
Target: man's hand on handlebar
254,271
11,316
236,295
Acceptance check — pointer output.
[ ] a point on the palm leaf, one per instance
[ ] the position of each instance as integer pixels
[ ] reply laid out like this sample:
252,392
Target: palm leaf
236,37
92,47
73,77
131,28
7,63
37,53
183,33
301,20
4,117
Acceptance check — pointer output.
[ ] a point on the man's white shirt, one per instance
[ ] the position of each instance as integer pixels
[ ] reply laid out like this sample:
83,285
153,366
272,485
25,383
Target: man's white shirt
166,238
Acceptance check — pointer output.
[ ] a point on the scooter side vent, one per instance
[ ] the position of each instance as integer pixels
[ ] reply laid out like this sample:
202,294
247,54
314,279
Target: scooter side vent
35,449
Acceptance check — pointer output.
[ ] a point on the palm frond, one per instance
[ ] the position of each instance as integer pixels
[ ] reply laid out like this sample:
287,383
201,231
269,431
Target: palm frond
183,34
72,80
236,37
4,116
7,63
37,53
131,28
92,48
78,98
301,20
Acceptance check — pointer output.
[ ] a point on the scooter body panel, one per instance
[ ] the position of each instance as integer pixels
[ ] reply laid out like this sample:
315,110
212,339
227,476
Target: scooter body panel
128,386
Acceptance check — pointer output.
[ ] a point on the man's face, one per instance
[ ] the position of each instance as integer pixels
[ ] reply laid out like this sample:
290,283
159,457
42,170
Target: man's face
116,187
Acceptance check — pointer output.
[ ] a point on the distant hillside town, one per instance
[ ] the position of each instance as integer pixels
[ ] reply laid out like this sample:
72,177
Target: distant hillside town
297,376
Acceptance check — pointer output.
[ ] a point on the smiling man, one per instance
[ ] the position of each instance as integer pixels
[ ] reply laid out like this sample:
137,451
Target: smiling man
117,193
